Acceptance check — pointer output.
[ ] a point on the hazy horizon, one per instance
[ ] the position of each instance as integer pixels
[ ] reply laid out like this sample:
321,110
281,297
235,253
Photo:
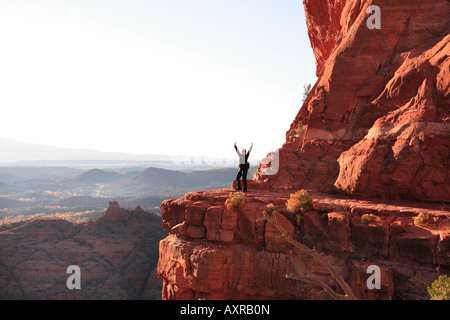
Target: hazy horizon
14,152
153,77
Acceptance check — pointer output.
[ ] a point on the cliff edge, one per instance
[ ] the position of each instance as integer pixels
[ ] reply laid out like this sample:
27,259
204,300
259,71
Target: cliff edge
373,138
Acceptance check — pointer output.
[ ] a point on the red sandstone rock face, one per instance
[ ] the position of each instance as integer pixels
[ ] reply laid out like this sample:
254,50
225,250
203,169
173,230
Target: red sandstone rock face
376,125
232,254
117,254
378,120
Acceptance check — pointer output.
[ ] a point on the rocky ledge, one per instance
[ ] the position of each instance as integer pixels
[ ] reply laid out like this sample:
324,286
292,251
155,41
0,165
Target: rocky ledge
376,126
217,253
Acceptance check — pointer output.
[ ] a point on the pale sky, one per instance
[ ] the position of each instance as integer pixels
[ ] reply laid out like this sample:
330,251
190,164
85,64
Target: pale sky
176,77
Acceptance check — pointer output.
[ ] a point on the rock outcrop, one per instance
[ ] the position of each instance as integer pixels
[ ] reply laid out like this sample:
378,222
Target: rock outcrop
117,254
213,252
373,137
378,119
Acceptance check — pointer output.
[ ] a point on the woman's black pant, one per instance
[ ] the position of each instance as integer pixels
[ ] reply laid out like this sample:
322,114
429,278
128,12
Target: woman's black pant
242,173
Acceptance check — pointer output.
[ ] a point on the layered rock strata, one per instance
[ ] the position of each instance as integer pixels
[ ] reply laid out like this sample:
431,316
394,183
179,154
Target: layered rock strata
377,122
216,253
117,255
375,130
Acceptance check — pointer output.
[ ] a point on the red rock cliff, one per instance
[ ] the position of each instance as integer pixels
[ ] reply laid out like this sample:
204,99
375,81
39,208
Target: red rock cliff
216,253
374,138
117,255
378,120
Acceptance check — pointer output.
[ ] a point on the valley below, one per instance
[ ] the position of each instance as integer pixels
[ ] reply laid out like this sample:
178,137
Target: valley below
105,221
79,195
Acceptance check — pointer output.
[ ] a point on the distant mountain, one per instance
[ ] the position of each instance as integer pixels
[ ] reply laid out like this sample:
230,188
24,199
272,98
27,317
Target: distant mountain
16,173
151,180
13,150
17,153
157,180
96,176
155,177
54,181
8,178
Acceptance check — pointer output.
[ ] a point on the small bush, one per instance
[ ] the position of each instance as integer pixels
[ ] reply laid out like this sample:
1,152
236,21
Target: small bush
300,131
368,218
440,289
270,208
306,92
422,218
235,200
299,203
